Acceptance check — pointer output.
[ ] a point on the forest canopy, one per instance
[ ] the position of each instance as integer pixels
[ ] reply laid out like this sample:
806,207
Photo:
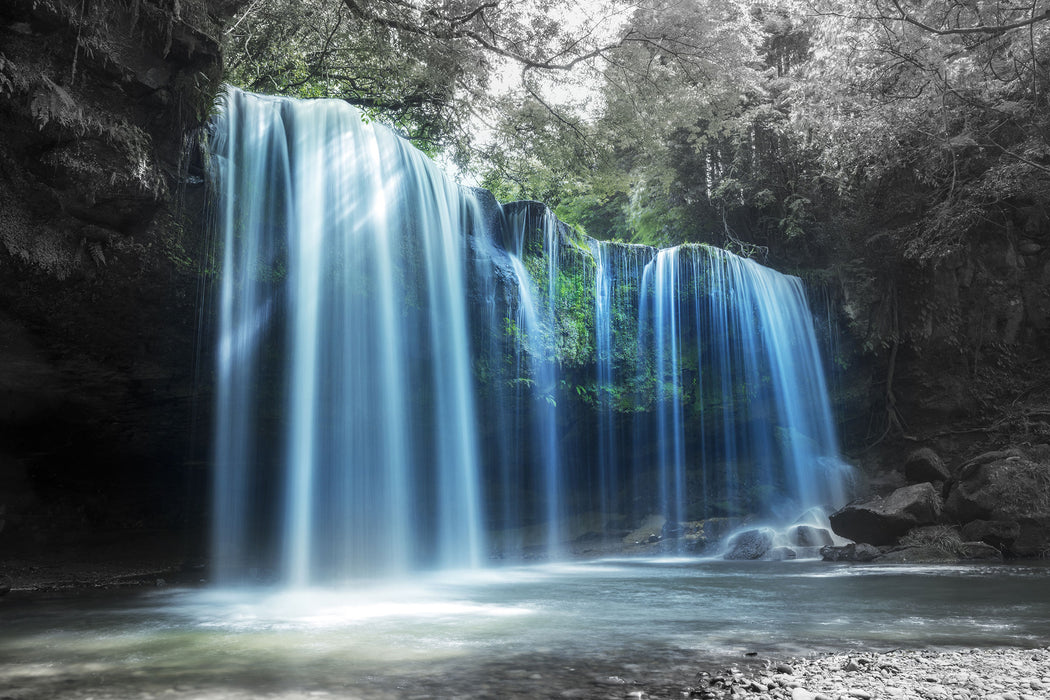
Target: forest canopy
745,124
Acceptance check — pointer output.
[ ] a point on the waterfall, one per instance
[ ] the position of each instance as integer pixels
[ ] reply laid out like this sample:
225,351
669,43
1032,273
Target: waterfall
410,375
536,320
617,286
345,426
734,346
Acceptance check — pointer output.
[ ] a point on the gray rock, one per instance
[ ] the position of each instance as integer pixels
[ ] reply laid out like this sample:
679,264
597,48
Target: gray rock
998,533
1011,486
917,554
810,536
881,521
858,552
925,465
781,554
979,551
750,544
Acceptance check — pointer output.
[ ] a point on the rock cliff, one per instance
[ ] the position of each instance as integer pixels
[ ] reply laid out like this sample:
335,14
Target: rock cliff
97,290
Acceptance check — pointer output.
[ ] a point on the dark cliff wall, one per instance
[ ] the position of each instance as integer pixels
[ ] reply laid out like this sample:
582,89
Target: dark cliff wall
952,349
97,283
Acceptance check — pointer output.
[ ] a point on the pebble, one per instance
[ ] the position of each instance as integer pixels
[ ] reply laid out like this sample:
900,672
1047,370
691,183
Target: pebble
975,674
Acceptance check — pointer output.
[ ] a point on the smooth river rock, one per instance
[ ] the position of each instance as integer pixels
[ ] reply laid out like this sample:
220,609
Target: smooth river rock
881,521
750,544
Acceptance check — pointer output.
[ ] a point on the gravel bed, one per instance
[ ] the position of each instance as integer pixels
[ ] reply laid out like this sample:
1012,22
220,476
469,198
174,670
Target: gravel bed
973,674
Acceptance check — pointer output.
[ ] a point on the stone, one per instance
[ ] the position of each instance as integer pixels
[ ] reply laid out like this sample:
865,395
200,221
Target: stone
785,668
750,544
810,536
781,554
997,533
881,521
925,465
1007,486
917,554
802,694
979,551
857,552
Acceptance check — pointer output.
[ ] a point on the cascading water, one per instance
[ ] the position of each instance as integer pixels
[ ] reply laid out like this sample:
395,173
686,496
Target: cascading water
410,376
538,324
345,430
617,286
735,357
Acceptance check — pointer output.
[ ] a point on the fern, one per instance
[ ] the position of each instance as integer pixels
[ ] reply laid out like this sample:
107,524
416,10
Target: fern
53,103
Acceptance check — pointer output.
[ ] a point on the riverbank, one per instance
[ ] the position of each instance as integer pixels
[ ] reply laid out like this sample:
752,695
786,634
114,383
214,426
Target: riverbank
970,674
96,561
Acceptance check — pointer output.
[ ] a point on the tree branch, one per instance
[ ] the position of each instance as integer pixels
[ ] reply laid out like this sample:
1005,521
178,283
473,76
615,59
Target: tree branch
991,29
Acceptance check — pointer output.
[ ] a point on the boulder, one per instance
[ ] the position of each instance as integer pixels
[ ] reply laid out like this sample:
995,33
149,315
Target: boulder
924,465
851,552
979,551
881,521
781,554
918,554
933,554
1000,534
750,544
1004,487
810,536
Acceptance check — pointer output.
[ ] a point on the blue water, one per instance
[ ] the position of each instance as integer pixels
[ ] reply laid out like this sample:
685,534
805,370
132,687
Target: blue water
536,631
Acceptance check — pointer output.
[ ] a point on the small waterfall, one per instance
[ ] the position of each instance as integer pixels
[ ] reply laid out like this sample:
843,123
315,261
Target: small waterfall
617,286
735,358
537,323
410,375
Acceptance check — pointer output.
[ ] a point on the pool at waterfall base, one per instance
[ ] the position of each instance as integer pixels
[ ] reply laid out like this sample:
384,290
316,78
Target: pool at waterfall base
597,628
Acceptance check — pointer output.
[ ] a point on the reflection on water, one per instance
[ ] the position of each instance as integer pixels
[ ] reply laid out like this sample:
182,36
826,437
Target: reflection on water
588,629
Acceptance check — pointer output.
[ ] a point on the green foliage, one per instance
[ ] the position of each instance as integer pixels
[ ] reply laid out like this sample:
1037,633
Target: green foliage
322,49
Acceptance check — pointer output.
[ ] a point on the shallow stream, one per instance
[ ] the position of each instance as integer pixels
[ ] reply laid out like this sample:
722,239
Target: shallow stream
604,628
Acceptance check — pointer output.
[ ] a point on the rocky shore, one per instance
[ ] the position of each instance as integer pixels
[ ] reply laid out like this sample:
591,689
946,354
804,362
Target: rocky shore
973,674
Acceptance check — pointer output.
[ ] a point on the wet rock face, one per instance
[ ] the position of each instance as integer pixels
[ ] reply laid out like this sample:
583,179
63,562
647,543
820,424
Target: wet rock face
1000,534
750,544
810,536
881,521
98,280
1003,498
852,552
925,465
